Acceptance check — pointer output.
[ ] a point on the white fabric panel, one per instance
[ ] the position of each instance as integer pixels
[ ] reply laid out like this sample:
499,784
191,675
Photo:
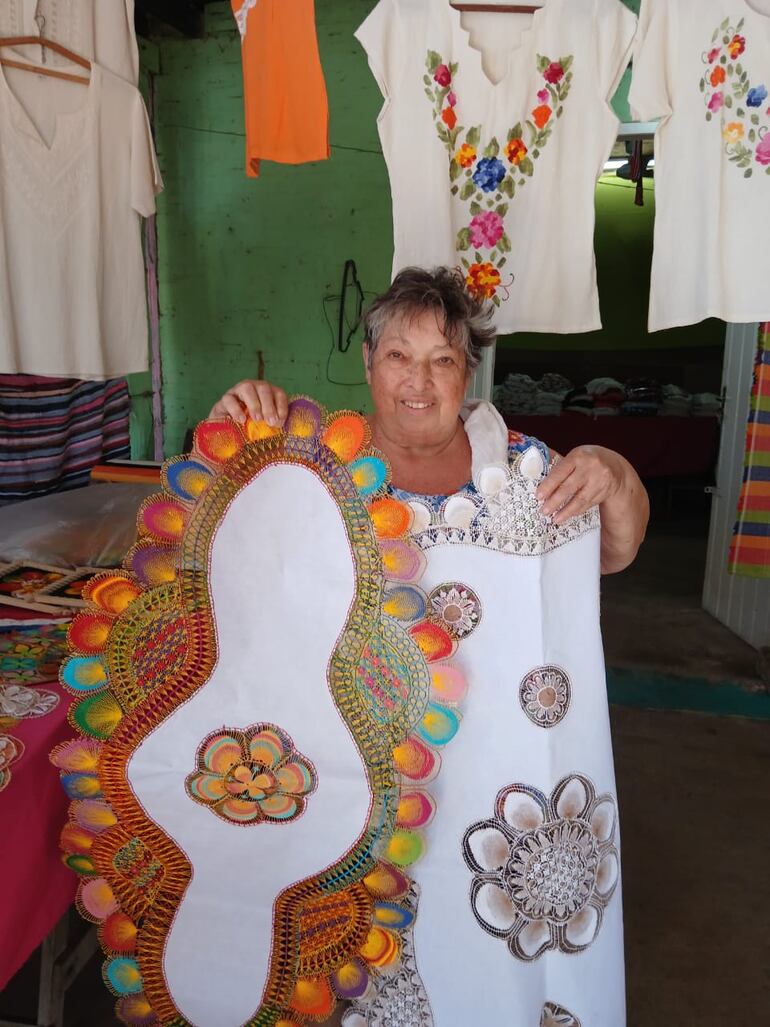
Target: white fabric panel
282,582
536,611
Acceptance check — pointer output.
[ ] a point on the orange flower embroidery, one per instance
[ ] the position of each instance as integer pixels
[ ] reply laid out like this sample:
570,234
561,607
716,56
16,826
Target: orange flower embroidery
717,75
449,118
516,151
483,280
733,132
736,46
542,115
466,155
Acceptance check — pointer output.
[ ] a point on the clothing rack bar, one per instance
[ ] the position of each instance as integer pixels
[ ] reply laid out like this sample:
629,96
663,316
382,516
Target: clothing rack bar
499,8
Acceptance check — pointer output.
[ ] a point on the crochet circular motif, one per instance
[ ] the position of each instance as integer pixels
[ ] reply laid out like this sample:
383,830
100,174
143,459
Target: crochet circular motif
551,872
252,776
545,695
457,607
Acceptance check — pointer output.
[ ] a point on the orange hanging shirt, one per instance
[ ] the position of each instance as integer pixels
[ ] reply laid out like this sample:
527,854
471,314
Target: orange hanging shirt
287,110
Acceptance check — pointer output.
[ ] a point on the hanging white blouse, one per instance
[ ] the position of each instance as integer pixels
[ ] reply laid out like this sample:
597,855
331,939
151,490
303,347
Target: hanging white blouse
77,173
101,30
703,67
493,160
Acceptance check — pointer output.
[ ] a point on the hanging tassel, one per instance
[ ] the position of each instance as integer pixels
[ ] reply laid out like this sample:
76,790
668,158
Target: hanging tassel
638,165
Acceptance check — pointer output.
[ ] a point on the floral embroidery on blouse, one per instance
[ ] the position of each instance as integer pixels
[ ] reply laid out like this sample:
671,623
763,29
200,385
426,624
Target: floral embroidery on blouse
492,174
517,443
728,92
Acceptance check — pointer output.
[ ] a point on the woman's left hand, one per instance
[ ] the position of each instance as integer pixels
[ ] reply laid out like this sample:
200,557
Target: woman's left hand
587,476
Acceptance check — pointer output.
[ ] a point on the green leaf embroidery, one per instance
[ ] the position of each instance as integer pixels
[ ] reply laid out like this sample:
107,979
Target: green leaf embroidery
490,204
505,244
501,261
464,239
748,173
754,119
507,186
492,149
454,171
728,101
566,62
478,257
738,68
739,26
535,154
434,60
767,171
741,112
475,208
752,135
501,209
526,167
708,115
474,135
542,63
455,190
429,94
467,190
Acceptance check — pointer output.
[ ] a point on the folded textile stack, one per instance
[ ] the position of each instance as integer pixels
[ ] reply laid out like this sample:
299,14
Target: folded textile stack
516,395
551,390
579,401
644,398
676,402
608,395
706,404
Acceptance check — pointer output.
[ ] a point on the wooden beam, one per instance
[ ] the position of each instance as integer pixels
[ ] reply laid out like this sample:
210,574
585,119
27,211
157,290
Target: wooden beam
186,16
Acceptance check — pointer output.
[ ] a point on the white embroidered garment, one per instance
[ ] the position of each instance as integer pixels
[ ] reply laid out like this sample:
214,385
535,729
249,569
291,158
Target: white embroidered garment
703,67
520,909
77,173
495,129
101,30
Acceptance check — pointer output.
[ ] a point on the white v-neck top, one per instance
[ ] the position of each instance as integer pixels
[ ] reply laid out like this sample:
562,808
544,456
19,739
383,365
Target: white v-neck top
101,30
493,163
703,67
77,173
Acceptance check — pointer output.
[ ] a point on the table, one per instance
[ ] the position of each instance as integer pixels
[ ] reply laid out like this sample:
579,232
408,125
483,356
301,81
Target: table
657,447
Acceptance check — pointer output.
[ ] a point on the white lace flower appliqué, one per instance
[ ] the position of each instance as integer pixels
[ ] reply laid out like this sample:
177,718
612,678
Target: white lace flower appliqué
457,607
544,868
545,694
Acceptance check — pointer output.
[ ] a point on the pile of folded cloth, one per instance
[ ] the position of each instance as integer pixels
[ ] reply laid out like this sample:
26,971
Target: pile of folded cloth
676,402
706,404
644,398
520,394
608,396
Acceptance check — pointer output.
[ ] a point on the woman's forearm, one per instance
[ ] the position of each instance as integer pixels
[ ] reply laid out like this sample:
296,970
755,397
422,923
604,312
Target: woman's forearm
625,516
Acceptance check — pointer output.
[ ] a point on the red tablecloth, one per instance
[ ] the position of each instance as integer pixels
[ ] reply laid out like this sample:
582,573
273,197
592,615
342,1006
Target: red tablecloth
658,447
35,886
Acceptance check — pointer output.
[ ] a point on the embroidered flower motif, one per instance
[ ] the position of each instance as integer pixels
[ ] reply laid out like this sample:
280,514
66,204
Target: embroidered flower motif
554,72
733,132
442,75
252,776
11,750
486,229
489,174
451,99
763,150
20,702
449,117
545,695
483,280
543,96
736,46
717,101
543,868
756,96
457,607
713,54
541,115
557,1016
516,151
717,76
466,155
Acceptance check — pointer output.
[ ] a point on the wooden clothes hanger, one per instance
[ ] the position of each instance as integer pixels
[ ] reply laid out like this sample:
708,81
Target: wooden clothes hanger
48,44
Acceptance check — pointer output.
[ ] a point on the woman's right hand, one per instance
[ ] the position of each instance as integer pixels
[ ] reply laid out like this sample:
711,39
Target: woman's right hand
259,400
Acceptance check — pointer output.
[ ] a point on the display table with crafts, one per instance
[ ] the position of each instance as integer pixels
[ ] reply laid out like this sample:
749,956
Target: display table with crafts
657,447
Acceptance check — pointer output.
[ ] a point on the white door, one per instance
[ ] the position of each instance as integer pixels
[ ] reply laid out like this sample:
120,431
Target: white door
742,604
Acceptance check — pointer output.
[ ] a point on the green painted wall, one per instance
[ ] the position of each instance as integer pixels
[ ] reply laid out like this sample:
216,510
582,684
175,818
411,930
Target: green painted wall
245,265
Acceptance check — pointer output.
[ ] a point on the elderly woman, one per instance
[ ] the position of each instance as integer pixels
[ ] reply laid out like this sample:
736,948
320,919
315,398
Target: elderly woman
423,340
516,897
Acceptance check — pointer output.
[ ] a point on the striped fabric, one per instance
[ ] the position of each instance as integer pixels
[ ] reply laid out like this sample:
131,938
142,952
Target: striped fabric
750,549
54,430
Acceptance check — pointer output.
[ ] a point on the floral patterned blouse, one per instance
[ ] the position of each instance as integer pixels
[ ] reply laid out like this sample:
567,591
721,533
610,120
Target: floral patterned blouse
517,443
493,151
703,67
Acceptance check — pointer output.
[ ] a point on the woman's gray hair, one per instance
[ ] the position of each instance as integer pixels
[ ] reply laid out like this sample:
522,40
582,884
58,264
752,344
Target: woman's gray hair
463,320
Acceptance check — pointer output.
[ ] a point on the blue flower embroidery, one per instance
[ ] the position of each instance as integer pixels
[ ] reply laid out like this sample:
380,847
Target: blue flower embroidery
756,96
489,174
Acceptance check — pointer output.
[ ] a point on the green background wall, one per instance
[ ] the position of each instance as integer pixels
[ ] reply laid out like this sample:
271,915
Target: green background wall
245,265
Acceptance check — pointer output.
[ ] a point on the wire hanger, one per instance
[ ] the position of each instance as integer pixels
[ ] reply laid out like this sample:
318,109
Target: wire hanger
499,8
48,44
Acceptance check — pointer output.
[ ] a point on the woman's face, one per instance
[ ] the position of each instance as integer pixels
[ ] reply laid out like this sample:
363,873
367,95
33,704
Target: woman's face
418,381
